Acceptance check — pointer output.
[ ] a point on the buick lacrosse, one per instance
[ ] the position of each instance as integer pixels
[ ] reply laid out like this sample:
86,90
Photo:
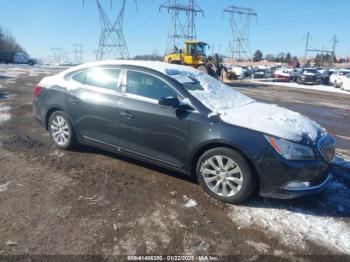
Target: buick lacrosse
185,120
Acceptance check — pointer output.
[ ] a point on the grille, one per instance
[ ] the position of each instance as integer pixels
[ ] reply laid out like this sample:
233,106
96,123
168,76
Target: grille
326,147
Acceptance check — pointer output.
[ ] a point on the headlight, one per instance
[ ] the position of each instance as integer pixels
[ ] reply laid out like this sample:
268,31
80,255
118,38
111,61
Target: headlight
290,150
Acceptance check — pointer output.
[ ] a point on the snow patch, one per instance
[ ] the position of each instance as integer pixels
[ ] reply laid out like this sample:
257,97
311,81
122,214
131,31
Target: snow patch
295,225
4,186
310,87
4,113
259,246
189,202
240,110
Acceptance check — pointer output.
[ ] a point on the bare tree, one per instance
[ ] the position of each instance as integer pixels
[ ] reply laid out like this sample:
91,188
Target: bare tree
8,43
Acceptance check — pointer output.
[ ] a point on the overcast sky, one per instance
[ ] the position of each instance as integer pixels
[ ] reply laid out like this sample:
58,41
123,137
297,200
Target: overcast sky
282,25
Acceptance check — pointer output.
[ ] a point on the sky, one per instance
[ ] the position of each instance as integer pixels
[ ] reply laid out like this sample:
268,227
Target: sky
281,25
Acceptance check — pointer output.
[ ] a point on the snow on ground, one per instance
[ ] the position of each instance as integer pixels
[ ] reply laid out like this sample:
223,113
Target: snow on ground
295,85
4,186
295,225
4,113
189,202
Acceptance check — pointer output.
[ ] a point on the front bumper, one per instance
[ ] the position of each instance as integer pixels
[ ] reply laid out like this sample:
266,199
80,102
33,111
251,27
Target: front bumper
286,179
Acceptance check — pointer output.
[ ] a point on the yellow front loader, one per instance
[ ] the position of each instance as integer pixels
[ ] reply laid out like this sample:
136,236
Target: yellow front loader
195,54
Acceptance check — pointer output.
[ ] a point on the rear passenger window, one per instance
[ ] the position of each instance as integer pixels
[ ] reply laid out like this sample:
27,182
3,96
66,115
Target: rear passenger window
148,86
103,77
79,77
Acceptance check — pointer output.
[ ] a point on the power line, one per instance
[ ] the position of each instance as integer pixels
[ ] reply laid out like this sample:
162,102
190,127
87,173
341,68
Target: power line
322,50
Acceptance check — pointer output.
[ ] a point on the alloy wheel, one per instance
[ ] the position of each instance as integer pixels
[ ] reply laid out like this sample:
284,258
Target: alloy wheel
222,175
60,130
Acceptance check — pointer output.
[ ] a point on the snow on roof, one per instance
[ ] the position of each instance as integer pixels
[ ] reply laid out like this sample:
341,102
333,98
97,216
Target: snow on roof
155,65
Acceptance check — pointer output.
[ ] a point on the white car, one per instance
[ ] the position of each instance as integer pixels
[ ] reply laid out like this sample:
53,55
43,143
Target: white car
345,84
337,77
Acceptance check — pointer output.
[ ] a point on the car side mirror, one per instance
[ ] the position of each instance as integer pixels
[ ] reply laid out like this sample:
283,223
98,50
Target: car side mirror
169,101
175,103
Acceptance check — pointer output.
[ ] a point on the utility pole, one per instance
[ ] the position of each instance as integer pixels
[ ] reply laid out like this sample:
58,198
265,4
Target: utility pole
112,41
335,41
307,45
240,21
78,53
322,51
180,30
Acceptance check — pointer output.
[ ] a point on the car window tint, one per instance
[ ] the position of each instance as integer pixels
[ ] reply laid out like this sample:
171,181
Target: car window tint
79,77
103,77
148,86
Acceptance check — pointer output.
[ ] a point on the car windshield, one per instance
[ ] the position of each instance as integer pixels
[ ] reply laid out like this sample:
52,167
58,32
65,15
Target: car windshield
186,79
211,92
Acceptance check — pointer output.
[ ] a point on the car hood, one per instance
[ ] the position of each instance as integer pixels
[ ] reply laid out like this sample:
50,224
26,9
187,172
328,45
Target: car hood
239,110
272,120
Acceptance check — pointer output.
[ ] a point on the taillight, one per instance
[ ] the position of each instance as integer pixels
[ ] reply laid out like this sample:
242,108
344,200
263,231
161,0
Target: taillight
37,90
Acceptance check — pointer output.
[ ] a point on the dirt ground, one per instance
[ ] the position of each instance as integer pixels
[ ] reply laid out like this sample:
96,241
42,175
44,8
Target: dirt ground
90,202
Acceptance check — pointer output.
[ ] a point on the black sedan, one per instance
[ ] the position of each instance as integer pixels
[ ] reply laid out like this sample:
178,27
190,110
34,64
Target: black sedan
183,119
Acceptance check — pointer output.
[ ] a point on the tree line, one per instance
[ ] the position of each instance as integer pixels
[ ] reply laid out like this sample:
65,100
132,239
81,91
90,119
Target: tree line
319,60
8,42
281,57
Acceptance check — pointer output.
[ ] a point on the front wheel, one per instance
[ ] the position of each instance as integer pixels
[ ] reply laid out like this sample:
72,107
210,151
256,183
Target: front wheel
225,175
61,130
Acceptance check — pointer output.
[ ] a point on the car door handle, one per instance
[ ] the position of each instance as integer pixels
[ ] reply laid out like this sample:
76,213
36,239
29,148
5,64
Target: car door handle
127,114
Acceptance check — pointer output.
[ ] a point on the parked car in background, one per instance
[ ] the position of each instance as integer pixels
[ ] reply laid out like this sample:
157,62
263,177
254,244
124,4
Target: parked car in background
325,75
239,71
345,84
258,73
16,58
337,77
308,76
283,75
185,120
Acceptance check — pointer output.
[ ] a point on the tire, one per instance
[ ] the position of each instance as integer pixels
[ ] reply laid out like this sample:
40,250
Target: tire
239,184
31,63
341,86
60,123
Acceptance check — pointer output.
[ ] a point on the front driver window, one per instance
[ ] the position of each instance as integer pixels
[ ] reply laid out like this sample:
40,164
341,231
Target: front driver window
148,86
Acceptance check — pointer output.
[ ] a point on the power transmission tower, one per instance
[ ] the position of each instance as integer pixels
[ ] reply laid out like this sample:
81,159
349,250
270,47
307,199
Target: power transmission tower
112,41
240,20
181,29
57,55
78,53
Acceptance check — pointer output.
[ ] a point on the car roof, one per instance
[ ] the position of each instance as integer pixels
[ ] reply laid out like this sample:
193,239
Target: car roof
154,65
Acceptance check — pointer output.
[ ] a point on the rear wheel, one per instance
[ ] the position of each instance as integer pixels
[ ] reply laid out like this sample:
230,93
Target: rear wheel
61,130
225,175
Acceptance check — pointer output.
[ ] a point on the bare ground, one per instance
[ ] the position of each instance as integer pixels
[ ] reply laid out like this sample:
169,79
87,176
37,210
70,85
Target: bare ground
90,202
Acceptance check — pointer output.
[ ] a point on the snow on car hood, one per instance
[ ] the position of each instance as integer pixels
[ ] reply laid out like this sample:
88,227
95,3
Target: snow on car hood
240,110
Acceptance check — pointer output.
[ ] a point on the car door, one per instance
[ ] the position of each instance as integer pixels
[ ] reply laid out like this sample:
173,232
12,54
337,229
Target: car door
93,102
148,129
